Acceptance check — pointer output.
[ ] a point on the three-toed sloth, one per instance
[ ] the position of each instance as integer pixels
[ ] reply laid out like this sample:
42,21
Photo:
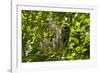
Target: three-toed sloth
62,38
60,41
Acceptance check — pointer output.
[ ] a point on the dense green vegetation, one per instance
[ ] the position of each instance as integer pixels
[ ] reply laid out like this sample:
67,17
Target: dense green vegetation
55,36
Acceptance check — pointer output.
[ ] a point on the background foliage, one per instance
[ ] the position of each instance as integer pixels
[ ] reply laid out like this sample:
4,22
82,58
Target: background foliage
38,31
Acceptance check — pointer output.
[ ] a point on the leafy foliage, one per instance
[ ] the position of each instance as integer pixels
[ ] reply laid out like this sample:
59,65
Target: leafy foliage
45,38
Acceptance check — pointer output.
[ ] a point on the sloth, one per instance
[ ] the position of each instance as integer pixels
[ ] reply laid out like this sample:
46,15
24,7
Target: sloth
63,39
60,41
